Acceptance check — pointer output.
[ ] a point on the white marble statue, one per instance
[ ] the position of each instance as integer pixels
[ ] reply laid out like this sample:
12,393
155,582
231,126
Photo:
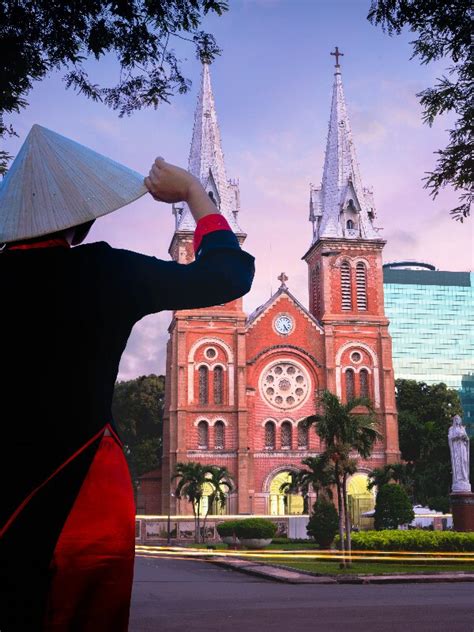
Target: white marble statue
459,447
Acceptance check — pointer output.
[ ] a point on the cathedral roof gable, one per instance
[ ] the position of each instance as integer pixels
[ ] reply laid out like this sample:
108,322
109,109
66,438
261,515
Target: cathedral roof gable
283,291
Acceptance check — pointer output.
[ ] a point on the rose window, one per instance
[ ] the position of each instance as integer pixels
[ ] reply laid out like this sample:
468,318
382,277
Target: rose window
285,385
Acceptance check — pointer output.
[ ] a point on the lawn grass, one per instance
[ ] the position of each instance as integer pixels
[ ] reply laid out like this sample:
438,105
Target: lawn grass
324,567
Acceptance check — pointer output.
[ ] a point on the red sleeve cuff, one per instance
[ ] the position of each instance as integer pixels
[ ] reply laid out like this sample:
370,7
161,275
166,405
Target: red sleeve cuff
209,224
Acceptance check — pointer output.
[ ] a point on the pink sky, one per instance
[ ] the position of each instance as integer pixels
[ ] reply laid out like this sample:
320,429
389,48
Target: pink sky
273,88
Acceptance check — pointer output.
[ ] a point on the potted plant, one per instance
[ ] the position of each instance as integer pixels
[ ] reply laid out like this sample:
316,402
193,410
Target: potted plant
255,533
226,531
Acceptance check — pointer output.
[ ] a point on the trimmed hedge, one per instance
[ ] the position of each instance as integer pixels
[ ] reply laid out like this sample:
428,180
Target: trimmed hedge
255,528
226,529
412,540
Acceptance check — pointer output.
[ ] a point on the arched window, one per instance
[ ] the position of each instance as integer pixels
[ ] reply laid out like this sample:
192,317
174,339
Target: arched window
286,435
302,435
346,290
270,435
203,435
364,382
203,385
219,430
218,385
349,384
361,284
349,224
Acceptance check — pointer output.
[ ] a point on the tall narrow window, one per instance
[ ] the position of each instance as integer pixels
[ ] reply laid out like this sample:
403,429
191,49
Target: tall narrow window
219,429
361,284
286,435
350,224
270,435
364,382
302,435
316,291
346,290
218,385
203,385
203,435
349,384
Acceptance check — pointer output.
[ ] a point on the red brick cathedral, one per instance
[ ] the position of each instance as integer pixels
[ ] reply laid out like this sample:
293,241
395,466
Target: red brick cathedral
239,385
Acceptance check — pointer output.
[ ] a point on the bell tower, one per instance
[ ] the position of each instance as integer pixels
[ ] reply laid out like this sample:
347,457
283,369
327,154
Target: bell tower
205,403
345,278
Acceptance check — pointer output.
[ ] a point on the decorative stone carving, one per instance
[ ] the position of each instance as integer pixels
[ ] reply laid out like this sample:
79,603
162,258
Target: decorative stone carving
459,447
285,385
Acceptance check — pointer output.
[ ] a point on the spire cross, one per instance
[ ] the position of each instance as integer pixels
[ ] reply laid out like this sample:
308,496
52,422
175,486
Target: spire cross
282,278
337,54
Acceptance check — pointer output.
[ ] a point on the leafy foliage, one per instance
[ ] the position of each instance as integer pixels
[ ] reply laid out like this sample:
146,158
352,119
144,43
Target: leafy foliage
192,480
413,540
227,529
37,38
137,409
443,31
317,475
400,473
425,414
343,432
392,507
324,522
255,528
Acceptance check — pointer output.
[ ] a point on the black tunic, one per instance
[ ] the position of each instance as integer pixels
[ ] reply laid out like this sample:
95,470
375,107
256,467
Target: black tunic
65,317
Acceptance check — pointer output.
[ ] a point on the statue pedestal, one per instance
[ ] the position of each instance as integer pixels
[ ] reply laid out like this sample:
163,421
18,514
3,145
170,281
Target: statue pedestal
463,511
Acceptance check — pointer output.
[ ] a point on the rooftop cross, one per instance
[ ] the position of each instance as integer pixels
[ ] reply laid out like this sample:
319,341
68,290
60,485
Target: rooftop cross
337,54
282,278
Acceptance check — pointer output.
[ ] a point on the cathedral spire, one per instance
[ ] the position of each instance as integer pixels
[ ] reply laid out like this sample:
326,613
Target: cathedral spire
341,206
206,160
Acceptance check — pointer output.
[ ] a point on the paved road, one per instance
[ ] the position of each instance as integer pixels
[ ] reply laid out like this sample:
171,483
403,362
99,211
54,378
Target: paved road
193,596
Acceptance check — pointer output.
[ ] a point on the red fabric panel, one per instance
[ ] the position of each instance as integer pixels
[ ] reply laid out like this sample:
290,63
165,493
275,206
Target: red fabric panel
46,243
92,565
208,224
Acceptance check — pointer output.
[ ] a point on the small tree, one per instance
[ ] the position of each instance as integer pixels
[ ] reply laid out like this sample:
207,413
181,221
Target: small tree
392,507
343,432
400,473
324,522
192,478
220,480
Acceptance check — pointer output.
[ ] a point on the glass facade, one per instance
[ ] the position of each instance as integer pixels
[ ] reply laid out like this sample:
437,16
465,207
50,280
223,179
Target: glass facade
432,327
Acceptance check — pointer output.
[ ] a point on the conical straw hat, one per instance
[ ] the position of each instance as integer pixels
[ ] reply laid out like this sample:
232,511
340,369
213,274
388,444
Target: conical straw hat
55,183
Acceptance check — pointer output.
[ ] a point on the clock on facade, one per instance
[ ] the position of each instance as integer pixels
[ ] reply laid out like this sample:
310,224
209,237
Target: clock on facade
284,324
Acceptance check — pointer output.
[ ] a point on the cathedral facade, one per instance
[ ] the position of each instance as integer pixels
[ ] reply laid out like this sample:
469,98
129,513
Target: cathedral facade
239,385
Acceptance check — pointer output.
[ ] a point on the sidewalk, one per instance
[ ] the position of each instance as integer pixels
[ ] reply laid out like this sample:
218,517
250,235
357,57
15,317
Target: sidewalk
288,576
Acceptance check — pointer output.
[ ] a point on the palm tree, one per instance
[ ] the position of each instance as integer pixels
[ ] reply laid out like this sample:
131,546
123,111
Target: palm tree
343,432
400,473
192,478
316,475
220,480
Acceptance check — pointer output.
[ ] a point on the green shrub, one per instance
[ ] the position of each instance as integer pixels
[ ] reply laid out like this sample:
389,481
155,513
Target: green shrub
227,529
392,507
324,523
440,503
413,540
255,528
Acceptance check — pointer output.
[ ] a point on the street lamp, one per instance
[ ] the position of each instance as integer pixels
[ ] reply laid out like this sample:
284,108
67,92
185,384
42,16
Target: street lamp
168,541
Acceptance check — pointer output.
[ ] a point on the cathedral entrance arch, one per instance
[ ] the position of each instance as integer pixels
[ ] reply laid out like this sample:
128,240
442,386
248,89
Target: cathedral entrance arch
279,503
360,500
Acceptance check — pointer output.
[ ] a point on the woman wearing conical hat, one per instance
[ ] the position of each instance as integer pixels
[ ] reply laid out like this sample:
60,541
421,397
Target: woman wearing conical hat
67,511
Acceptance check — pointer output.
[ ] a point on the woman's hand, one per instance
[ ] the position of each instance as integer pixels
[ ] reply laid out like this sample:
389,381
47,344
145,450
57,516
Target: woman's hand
168,183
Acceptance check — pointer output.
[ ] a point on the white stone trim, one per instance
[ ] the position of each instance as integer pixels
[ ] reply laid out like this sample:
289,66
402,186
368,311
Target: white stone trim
199,419
216,419
210,341
265,421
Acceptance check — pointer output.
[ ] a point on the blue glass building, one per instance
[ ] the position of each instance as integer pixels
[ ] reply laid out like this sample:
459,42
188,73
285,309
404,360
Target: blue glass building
432,327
